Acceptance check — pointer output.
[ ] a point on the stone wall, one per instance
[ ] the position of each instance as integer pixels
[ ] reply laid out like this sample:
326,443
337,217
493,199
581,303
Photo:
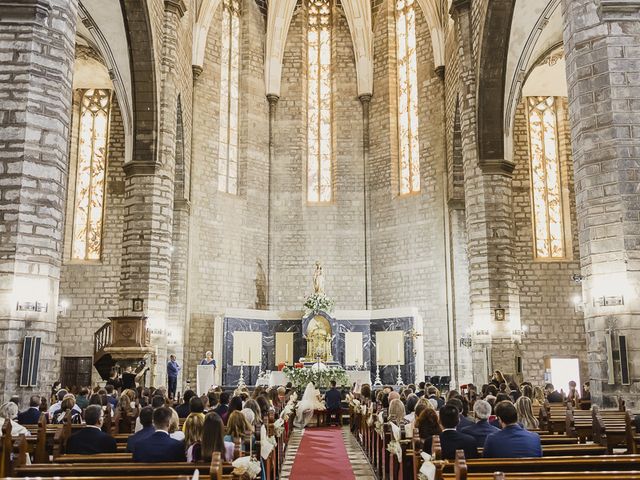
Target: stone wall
228,235
546,288
302,232
408,239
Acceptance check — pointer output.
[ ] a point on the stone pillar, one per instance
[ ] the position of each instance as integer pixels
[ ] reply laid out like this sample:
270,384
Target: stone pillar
273,103
487,192
149,192
601,40
37,45
366,104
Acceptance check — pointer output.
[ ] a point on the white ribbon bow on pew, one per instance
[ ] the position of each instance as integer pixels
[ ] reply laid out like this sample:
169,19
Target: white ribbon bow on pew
364,409
196,475
247,465
428,469
278,427
394,445
379,423
267,443
408,430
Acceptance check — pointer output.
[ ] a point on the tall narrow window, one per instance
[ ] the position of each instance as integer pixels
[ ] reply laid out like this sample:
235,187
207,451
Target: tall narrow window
409,148
545,178
90,179
319,158
229,95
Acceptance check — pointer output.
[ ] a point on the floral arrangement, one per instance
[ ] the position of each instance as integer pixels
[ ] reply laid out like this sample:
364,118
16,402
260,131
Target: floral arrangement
318,302
300,377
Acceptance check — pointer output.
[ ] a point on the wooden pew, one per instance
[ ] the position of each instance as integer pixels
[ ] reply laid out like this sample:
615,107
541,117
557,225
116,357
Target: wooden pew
556,417
614,429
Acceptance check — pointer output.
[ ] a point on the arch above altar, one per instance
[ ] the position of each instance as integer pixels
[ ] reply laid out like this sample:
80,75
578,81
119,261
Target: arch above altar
355,339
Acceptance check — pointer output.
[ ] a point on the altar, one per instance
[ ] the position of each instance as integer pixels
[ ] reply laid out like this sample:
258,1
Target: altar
274,379
256,341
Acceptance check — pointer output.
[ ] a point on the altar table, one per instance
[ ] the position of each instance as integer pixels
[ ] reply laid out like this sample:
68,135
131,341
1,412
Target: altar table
361,376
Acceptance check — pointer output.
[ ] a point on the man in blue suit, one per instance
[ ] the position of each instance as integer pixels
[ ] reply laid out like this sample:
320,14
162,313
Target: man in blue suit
160,447
146,420
91,440
30,416
512,441
482,428
172,375
452,440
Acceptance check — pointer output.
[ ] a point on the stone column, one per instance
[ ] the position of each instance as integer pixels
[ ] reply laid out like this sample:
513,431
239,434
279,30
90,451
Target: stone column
603,60
487,192
366,104
273,103
37,45
149,192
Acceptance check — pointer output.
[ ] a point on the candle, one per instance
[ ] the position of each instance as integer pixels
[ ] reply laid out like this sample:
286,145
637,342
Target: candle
398,353
249,356
286,354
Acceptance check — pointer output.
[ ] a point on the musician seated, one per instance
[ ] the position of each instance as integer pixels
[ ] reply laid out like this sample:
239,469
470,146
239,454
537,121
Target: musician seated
91,439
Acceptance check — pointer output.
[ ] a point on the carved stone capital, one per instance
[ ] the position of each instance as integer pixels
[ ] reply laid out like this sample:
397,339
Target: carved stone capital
197,70
365,98
140,168
459,6
25,11
440,69
182,205
619,10
175,6
272,98
498,166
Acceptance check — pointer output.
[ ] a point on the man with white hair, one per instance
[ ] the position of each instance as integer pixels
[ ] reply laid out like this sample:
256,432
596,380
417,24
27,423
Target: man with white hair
9,412
482,427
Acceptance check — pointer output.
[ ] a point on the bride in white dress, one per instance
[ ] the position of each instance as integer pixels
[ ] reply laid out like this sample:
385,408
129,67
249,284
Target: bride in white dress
305,408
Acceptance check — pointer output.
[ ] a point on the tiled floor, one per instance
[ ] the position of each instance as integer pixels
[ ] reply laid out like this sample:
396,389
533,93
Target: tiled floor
359,463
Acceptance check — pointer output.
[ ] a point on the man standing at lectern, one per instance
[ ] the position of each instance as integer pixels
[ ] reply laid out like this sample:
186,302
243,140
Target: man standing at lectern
172,375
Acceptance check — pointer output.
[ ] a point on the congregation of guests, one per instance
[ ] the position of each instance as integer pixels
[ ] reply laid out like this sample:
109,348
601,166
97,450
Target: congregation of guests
495,421
211,424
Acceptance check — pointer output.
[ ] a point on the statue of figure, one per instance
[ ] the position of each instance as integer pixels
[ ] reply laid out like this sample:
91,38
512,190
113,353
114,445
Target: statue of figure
318,279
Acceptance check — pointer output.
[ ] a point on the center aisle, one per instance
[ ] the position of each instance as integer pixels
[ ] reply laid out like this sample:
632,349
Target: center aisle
325,453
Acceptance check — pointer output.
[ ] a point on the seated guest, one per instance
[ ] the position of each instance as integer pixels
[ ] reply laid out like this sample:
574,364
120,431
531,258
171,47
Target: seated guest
235,405
512,441
452,440
432,393
160,447
553,396
31,415
332,401
253,405
56,406
213,433
174,426
238,427
525,413
183,409
82,400
397,412
420,392
9,413
146,429
481,429
223,407
91,439
67,405
410,406
458,403
214,400
514,391
428,425
193,428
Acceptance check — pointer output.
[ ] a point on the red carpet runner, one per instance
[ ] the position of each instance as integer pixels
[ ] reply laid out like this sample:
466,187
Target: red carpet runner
322,455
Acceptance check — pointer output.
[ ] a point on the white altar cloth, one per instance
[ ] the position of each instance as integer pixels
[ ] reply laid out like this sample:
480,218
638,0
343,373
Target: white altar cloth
361,376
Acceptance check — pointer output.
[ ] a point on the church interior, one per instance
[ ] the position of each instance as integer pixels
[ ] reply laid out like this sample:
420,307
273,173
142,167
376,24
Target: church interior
400,192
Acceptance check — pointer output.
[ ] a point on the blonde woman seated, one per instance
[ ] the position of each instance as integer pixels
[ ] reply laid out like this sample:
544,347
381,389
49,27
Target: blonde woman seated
526,418
9,412
193,428
239,427
397,412
174,427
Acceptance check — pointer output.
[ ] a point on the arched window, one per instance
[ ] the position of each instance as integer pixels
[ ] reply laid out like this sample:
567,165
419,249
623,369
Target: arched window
229,97
90,179
407,81
319,155
545,178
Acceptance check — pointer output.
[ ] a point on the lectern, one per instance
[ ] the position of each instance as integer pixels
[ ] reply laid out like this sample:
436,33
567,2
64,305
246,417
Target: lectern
205,380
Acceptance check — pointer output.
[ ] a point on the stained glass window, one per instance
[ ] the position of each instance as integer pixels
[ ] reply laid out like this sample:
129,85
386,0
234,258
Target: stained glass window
545,178
90,179
229,97
409,149
319,157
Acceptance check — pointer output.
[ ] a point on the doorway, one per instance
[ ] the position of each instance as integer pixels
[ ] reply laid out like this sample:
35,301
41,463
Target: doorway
563,370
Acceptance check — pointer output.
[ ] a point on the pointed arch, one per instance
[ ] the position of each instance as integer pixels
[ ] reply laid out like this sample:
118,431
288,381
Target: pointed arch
279,17
205,10
358,13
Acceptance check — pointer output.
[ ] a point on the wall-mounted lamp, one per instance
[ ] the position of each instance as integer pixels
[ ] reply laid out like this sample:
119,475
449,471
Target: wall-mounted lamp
32,306
612,301
577,278
466,341
518,333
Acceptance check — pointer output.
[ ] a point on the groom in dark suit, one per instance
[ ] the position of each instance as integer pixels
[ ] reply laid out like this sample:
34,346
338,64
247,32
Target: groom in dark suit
452,440
31,416
160,447
91,440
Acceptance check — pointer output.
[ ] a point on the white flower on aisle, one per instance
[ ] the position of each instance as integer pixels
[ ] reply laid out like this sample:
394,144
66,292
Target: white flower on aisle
246,465
428,468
